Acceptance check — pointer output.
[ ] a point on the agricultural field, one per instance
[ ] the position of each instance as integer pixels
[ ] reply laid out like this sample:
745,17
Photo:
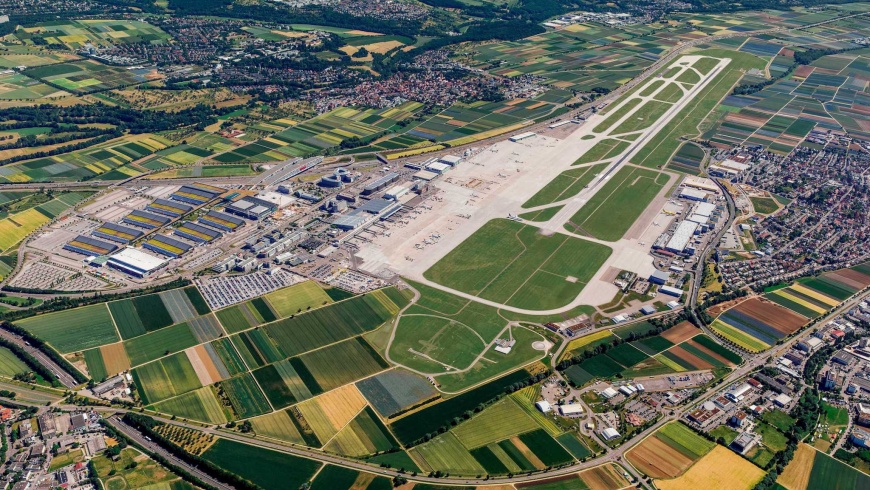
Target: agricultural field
10,364
25,215
86,77
510,262
160,343
364,435
669,452
322,132
341,363
813,469
107,360
331,412
330,324
331,477
608,476
74,330
297,298
243,396
720,468
165,378
610,213
201,405
395,391
270,470
110,161
75,34
688,159
143,314
15,86
757,324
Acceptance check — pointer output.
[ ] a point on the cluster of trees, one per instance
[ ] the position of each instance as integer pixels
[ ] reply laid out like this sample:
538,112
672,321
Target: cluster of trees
727,294
659,326
146,425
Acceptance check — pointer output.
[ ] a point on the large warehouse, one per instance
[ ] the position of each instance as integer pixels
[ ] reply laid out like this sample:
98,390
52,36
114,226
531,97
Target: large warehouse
145,220
89,246
221,221
135,262
682,236
251,208
168,208
197,233
117,233
196,194
162,244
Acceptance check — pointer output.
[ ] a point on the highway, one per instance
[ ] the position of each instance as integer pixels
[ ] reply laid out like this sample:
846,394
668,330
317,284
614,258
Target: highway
64,377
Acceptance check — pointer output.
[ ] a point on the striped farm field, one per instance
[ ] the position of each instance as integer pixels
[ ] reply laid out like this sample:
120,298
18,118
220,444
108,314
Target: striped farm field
278,425
165,378
742,340
447,454
669,451
154,345
16,227
107,360
804,291
811,469
499,421
10,364
396,390
330,324
590,341
827,284
329,413
339,364
74,330
297,298
244,396
201,405
758,321
364,435
791,299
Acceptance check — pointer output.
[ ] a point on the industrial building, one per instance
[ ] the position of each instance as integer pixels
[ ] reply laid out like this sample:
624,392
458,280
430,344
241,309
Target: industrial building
671,291
221,221
438,167
610,434
679,242
251,208
196,194
693,194
337,179
145,220
89,246
197,233
350,221
117,233
451,160
380,183
704,209
135,262
395,192
571,410
170,247
169,208
659,277
522,136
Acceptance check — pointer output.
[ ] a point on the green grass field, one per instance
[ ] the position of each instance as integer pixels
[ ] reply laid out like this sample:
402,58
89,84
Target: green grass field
610,213
828,472
678,436
269,469
168,377
10,364
764,205
426,343
499,421
74,330
297,298
343,363
447,454
513,263
157,344
201,405
565,186
245,396
331,324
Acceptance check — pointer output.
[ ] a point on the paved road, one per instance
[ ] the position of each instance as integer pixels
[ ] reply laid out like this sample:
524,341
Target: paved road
64,377
137,436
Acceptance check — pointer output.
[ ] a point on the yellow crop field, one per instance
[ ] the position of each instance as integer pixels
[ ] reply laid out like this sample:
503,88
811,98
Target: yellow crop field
16,227
115,358
349,443
329,413
797,474
277,425
720,468
814,294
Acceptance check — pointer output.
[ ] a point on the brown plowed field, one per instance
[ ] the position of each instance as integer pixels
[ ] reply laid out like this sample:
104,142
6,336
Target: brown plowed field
690,358
779,318
680,332
604,477
710,353
656,459
850,278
